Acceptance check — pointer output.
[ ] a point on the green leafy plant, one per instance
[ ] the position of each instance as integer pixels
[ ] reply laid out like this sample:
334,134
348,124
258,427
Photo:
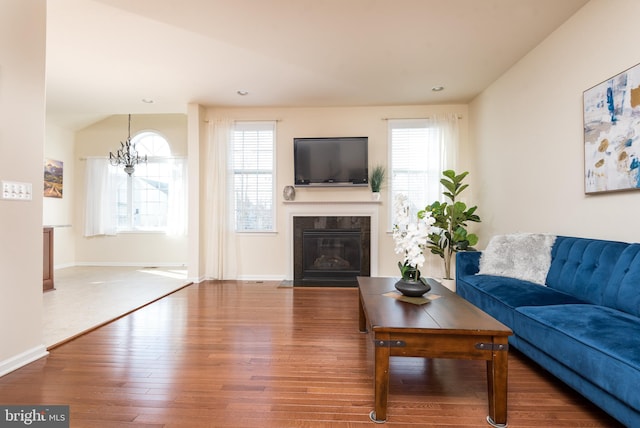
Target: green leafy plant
449,234
376,178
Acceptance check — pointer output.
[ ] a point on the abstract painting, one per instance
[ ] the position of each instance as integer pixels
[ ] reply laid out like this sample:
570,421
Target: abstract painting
52,178
612,133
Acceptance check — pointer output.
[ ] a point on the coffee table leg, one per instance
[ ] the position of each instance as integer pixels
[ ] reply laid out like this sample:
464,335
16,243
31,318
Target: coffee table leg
381,381
497,386
362,319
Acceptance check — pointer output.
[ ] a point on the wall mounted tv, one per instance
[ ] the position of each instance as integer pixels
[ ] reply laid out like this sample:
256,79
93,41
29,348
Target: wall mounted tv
339,161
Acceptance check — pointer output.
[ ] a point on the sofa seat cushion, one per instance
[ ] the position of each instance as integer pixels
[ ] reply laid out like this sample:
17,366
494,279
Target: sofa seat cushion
514,292
499,295
600,343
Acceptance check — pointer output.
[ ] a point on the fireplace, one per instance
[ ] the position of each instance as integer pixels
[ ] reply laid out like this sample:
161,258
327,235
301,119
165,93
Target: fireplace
331,251
330,254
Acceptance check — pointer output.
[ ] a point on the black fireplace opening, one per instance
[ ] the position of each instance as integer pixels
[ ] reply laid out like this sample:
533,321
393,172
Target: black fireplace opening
331,254
331,251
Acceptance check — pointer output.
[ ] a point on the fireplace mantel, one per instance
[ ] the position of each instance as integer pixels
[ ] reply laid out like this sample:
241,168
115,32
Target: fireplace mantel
333,208
372,202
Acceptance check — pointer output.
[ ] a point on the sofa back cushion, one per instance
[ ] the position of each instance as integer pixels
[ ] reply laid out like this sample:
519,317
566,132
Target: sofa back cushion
583,267
623,290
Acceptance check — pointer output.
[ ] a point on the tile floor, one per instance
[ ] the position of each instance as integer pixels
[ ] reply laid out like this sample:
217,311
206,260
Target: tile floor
87,296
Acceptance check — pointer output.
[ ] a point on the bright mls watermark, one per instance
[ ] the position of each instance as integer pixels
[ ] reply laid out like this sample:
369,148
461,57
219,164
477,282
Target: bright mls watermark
34,416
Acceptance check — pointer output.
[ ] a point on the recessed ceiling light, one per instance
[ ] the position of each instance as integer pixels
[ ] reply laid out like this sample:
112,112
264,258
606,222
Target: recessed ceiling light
147,100
437,88
242,93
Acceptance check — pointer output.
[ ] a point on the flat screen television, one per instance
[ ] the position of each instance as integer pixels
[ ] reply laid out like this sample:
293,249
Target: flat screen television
339,161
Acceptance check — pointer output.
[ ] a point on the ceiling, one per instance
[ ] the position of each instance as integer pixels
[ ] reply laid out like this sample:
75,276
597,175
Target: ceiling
105,56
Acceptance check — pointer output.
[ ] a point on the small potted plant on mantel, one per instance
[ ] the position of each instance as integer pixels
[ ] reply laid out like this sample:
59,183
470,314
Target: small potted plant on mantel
376,180
448,234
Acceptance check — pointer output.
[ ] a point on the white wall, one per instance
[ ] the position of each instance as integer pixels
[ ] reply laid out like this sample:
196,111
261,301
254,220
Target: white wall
265,255
527,131
58,212
131,248
22,123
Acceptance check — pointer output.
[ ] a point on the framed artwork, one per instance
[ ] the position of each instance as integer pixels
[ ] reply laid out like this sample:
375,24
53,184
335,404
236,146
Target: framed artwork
612,133
53,178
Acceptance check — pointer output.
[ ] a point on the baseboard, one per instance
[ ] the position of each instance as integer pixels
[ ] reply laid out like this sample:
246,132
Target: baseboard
63,265
20,360
260,278
248,278
131,264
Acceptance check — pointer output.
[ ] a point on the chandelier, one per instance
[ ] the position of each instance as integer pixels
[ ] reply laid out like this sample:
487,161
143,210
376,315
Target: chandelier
127,155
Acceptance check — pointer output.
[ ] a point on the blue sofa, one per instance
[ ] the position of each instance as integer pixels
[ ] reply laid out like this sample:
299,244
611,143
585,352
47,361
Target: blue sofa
583,325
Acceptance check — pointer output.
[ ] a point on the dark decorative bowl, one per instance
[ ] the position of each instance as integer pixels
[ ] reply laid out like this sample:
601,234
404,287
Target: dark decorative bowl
411,288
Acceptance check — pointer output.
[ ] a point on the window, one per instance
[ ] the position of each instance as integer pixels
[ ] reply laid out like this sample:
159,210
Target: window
252,163
142,199
417,158
154,198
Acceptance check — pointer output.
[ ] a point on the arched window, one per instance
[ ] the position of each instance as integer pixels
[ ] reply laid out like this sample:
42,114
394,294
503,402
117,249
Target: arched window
152,199
143,198
151,143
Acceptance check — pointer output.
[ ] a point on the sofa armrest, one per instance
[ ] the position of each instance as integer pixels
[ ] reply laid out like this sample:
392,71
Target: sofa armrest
467,263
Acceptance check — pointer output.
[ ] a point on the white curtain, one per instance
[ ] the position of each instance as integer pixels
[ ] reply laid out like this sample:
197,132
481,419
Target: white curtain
100,217
420,150
178,195
448,124
221,257
450,139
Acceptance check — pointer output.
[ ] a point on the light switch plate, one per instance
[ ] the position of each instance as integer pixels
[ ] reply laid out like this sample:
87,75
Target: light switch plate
16,191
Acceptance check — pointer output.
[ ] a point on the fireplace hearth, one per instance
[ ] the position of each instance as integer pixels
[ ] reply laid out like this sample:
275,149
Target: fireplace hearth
331,251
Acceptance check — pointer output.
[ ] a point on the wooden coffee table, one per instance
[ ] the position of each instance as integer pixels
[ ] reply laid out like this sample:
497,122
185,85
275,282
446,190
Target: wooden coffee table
447,327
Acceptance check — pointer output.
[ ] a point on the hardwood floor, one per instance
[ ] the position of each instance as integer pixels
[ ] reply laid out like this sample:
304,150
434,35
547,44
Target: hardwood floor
233,354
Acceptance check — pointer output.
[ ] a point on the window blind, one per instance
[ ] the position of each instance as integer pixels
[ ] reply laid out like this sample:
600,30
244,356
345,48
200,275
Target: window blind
416,161
252,160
